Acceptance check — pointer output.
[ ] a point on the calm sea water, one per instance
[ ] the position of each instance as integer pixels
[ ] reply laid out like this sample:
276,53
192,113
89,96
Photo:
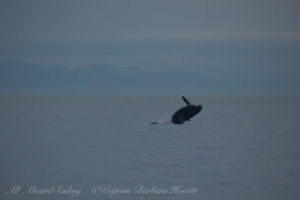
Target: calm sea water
104,147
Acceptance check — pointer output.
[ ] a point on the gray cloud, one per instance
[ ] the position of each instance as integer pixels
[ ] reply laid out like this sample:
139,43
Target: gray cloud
256,35
61,19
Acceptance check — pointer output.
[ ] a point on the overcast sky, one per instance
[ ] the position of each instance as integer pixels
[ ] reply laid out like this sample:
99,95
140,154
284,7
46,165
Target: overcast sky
255,37
150,34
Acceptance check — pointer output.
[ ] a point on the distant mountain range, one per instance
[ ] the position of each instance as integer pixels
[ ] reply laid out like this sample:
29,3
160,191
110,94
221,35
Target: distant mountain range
21,77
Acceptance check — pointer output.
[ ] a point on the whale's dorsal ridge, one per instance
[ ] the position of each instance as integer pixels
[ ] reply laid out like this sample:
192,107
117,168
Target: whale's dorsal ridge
185,100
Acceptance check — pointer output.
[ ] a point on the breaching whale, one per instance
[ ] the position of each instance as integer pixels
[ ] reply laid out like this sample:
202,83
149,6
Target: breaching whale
185,113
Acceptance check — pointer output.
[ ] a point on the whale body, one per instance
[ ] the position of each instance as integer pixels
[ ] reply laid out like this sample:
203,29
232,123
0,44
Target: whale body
186,113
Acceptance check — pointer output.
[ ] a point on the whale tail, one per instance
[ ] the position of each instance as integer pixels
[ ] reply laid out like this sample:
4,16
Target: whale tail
185,100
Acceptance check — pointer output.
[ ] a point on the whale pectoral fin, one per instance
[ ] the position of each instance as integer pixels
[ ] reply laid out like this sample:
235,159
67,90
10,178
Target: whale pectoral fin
185,100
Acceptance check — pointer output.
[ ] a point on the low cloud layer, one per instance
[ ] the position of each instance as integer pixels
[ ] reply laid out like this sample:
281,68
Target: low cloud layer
258,37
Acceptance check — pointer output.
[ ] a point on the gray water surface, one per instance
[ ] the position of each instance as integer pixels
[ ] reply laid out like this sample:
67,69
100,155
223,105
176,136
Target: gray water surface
236,148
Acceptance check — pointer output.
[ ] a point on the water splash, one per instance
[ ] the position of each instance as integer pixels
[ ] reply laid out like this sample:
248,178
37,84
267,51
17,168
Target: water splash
161,121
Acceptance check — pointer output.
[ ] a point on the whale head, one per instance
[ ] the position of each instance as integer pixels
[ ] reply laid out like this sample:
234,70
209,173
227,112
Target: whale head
199,107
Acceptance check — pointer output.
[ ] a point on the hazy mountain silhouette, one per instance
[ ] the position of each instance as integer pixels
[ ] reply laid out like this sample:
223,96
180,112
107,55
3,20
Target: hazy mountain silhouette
23,77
